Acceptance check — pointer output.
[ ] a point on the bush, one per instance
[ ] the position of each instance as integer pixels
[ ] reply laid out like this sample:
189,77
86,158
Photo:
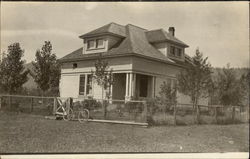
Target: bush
92,104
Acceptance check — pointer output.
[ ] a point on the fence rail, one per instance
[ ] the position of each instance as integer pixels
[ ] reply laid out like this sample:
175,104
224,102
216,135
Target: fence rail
108,109
123,110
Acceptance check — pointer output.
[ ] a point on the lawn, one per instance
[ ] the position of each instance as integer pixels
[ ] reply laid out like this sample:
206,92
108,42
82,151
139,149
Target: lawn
26,133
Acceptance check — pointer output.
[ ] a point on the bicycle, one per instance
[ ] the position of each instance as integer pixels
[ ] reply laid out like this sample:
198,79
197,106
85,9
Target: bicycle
83,115
68,113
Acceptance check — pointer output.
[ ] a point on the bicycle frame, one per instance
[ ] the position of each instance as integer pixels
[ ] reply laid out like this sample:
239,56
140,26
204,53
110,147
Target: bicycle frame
62,106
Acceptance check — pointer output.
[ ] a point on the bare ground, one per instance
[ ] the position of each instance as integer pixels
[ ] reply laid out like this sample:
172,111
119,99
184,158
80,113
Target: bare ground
25,133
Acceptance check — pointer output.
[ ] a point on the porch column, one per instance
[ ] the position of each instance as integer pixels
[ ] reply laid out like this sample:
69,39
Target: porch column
127,86
111,91
153,86
133,84
85,85
130,84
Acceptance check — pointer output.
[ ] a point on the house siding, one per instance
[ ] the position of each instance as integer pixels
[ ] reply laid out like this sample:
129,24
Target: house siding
69,85
117,64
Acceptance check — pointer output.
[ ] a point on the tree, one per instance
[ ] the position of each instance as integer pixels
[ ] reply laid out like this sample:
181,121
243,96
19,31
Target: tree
46,68
12,71
196,80
103,77
230,90
167,97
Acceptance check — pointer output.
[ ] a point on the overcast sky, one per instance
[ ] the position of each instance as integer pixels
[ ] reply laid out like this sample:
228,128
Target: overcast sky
219,29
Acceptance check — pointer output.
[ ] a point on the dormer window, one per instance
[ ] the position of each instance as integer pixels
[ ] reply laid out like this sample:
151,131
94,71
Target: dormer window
95,44
175,52
172,50
91,44
179,52
100,43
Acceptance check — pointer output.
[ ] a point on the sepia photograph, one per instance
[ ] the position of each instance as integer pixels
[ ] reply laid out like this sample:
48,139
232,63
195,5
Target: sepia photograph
124,78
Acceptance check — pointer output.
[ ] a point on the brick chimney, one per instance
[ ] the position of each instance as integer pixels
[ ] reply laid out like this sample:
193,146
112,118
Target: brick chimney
171,30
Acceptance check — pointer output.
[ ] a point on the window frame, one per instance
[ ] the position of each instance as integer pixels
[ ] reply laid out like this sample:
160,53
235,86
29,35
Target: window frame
95,47
82,84
179,52
102,46
175,52
88,46
86,84
89,85
172,50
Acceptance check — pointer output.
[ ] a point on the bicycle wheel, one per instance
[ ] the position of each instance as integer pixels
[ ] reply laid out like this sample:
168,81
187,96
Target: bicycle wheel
83,115
68,116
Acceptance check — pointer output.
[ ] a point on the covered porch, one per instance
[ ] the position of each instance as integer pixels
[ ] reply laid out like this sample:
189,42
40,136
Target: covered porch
133,86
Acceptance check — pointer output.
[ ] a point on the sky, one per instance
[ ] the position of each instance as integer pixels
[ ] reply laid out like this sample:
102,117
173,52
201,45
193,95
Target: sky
219,29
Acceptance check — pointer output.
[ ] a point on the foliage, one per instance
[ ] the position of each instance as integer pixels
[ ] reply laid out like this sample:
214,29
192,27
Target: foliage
46,69
12,71
91,104
196,80
167,98
230,90
102,75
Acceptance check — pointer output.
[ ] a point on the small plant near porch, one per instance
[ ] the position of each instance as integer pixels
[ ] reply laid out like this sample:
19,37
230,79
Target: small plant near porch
103,76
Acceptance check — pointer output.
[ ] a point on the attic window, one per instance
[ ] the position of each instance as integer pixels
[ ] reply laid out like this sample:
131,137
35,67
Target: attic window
172,50
175,52
100,43
95,44
74,65
179,52
91,44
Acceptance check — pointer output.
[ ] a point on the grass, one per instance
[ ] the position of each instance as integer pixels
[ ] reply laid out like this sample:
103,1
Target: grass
24,133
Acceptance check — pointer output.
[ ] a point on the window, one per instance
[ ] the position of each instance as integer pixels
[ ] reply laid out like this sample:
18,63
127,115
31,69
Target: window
179,52
172,50
100,43
176,52
85,81
89,84
91,44
95,44
82,85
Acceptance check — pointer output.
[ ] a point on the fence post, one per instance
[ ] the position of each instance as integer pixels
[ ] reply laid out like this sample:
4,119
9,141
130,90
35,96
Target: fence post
216,113
197,114
175,107
145,111
0,102
9,102
32,105
233,113
54,106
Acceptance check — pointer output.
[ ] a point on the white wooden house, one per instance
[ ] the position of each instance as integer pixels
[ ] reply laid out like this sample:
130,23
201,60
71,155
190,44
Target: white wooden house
141,60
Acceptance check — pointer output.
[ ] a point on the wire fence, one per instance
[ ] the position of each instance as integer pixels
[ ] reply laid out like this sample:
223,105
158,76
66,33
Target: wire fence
131,111
186,114
27,104
116,110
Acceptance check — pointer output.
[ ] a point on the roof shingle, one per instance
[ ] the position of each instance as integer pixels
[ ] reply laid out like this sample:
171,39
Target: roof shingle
162,35
111,28
136,42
